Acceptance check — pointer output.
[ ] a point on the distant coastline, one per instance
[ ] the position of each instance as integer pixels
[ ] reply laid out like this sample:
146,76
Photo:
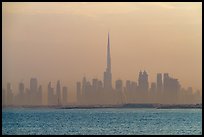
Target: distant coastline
156,106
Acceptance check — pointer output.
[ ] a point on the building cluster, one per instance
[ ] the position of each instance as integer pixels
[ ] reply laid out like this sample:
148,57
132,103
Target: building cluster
26,96
33,96
166,90
56,98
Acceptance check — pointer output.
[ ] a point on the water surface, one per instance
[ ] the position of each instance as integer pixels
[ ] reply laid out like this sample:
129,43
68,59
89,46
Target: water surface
101,121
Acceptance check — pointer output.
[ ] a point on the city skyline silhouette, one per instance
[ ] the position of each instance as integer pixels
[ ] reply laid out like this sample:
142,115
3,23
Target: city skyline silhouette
165,90
101,68
67,41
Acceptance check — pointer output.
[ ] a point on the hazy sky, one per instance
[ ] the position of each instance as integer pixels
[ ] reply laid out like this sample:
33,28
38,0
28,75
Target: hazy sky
65,41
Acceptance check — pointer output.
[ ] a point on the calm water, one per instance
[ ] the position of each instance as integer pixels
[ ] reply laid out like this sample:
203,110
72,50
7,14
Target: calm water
102,121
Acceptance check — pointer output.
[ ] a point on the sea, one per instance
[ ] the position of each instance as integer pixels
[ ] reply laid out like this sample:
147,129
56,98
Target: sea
101,121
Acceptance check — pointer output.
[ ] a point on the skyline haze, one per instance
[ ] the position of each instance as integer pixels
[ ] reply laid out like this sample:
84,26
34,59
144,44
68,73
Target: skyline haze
65,41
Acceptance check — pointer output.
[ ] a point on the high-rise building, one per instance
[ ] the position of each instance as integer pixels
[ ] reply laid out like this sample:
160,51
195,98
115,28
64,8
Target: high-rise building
143,81
58,92
21,88
140,80
119,85
159,82
170,84
9,94
33,85
21,95
78,91
84,85
88,87
128,86
133,86
39,97
100,85
28,96
107,74
153,87
95,84
51,97
165,81
33,91
171,88
64,95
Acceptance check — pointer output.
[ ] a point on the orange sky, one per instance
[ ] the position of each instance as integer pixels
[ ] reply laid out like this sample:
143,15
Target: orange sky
65,41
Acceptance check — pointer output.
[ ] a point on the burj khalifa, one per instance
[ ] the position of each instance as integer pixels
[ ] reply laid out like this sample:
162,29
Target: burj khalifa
107,79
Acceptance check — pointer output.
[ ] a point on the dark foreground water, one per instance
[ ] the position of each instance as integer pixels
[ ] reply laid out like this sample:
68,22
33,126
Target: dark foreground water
101,121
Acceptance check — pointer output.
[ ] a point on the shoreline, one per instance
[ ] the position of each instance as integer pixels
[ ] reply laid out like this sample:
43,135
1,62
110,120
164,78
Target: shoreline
123,106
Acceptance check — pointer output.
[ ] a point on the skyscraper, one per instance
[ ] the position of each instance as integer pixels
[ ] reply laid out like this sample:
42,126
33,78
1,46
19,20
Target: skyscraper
128,86
58,92
9,94
165,81
78,91
171,88
107,74
39,95
143,81
159,82
21,94
51,96
33,91
64,95
95,84
100,85
119,85
153,87
21,88
33,85
140,80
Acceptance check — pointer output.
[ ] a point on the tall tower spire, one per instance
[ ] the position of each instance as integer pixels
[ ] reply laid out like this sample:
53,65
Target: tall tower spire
108,55
107,74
